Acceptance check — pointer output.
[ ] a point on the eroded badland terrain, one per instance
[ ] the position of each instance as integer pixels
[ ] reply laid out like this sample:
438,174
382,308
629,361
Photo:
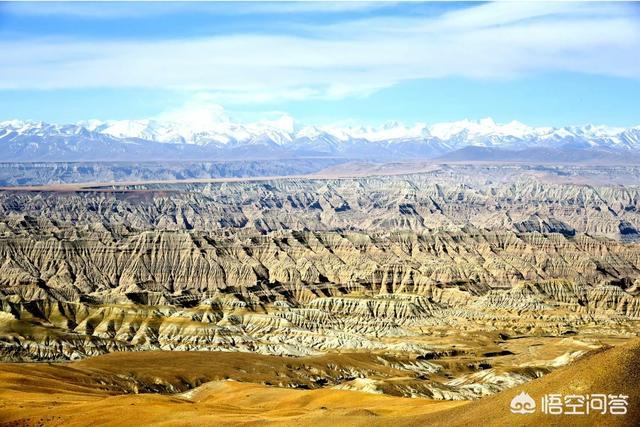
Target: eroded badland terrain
366,294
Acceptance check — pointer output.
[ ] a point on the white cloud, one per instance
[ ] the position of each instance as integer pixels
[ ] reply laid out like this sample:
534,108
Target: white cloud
487,41
198,112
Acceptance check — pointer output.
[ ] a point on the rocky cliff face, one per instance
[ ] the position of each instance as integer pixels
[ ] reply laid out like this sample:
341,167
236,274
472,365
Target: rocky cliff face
40,173
296,266
299,293
443,198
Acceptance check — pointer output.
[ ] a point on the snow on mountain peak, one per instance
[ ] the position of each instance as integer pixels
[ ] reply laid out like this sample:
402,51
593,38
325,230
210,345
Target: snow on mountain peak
282,132
284,123
389,131
482,128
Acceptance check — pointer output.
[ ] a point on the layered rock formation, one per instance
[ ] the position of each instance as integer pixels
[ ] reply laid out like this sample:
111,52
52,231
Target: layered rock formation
41,173
447,197
301,293
442,279
296,267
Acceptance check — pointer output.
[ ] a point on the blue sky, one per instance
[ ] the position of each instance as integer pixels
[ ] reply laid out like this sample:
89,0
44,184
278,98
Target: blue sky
359,63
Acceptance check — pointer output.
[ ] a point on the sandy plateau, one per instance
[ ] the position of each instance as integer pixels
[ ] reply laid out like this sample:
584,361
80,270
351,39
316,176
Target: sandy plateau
110,390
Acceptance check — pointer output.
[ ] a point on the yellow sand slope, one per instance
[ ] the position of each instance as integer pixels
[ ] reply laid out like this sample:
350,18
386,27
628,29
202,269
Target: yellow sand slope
81,393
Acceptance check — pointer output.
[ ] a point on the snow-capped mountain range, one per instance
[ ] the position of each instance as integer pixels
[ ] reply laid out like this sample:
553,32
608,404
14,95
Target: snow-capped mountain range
140,140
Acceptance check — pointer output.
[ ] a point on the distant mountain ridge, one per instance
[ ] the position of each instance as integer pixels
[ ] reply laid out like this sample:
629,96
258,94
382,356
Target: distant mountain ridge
148,140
